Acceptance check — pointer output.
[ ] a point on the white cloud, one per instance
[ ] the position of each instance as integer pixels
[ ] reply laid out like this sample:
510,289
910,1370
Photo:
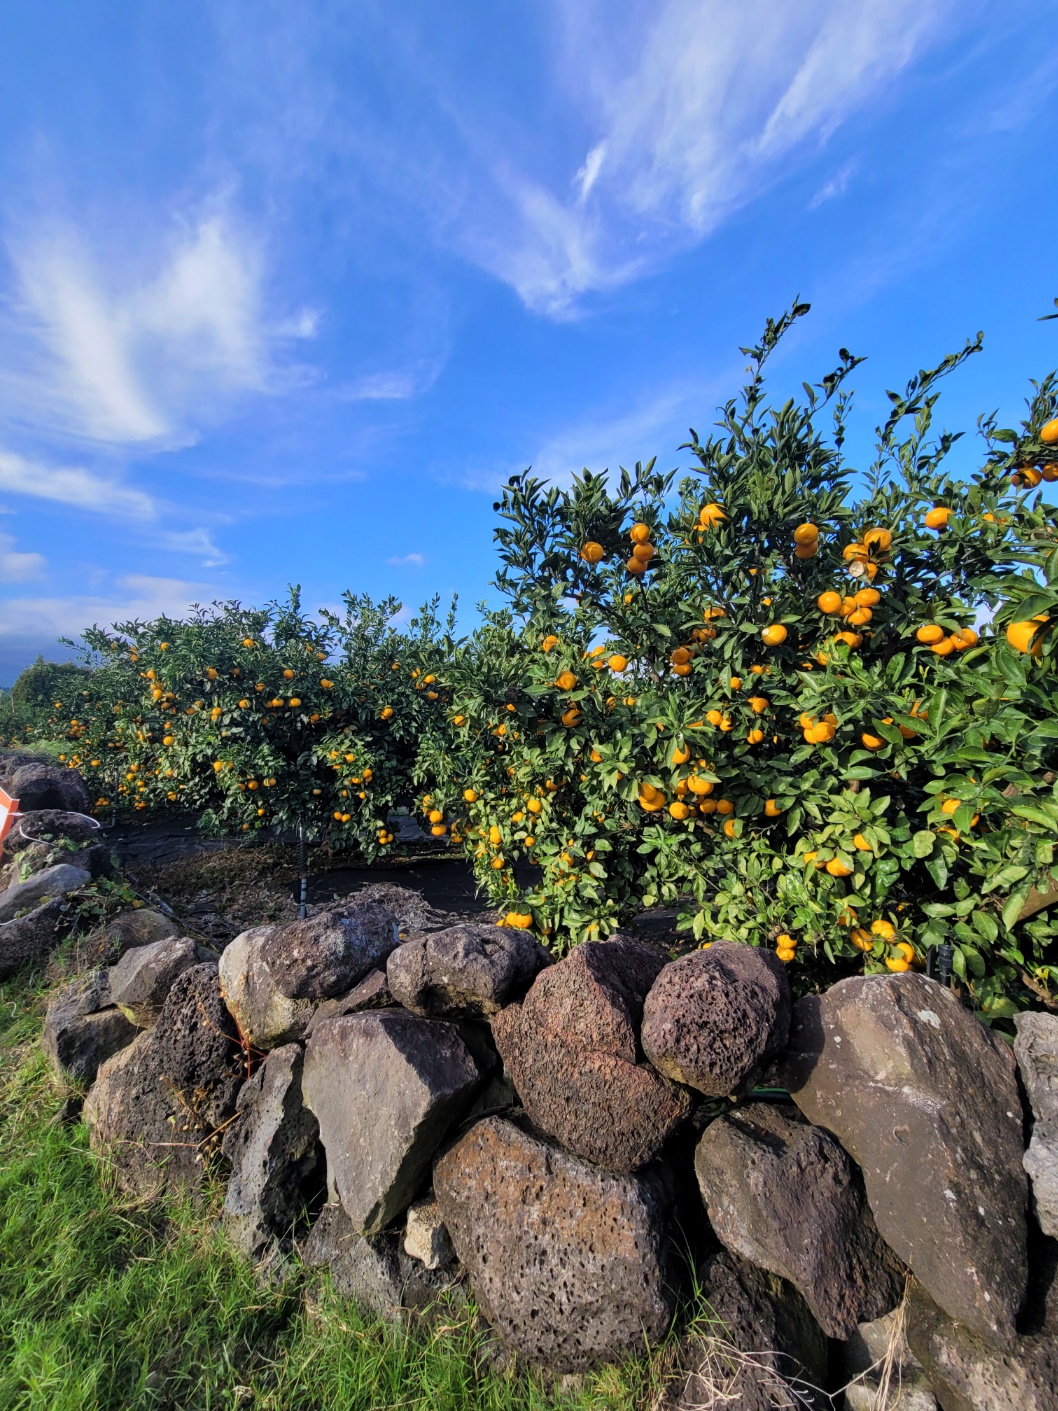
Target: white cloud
836,186
695,110
140,347
135,596
197,543
411,560
74,487
18,567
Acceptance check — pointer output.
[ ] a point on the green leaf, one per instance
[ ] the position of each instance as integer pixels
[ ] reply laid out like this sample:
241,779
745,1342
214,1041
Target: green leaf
938,870
922,843
1012,908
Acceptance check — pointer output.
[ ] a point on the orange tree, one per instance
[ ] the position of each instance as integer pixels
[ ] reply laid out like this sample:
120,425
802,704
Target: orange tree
259,718
777,700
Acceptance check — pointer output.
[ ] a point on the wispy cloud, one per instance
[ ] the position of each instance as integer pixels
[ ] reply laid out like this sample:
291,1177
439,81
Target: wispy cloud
694,110
74,487
18,567
409,561
140,348
836,186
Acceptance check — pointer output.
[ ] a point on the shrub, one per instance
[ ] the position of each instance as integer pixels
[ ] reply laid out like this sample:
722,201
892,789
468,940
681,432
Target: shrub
261,718
778,695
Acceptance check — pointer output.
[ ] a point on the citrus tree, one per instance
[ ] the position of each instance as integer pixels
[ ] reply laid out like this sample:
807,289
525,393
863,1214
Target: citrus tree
799,702
260,718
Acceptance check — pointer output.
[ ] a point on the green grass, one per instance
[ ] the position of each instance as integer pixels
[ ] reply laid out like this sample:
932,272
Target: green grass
108,1303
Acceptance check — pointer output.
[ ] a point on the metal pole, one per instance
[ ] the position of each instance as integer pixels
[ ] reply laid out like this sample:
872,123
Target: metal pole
303,881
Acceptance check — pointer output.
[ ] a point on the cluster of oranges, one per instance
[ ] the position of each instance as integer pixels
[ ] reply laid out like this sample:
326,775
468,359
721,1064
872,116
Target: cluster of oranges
900,954
1027,477
806,541
642,550
786,947
944,643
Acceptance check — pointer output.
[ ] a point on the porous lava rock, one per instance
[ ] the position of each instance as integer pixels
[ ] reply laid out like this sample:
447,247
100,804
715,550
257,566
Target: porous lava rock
48,786
54,881
878,1353
925,1099
759,1342
50,825
276,1162
571,1264
143,977
969,1374
571,1049
1036,1050
157,1108
326,954
786,1196
139,927
469,971
82,1029
371,993
374,1270
714,1016
385,1086
426,1236
30,938
266,1017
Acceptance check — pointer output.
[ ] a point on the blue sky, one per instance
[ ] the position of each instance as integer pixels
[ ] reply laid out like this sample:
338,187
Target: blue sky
288,291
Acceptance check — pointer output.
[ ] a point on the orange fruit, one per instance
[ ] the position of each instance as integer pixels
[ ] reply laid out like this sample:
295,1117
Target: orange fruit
829,602
471,795
1020,636
1026,477
617,662
1050,473
775,635
949,806
965,637
880,539
860,843
905,949
571,717
785,954
837,868
851,639
725,806
754,737
1049,433
639,533
680,656
711,514
944,648
854,551
635,567
868,597
771,809
736,683
860,939
807,551
565,681
937,517
758,704
897,964
714,716
806,534
681,755
729,827
700,786
930,633
643,552
548,643
592,552
679,810
860,617
871,742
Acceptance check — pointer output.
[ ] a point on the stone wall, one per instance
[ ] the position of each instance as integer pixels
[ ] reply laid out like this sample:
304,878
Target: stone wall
855,1181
